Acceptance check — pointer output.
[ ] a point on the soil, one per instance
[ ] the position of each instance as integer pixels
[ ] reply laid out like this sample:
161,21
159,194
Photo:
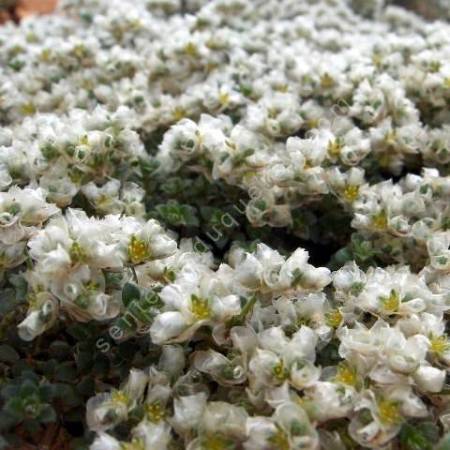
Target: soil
24,8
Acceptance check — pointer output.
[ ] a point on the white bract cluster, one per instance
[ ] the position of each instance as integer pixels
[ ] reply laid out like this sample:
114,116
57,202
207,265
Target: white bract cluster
296,104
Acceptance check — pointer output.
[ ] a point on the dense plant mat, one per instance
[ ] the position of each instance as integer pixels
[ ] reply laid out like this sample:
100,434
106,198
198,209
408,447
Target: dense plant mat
225,225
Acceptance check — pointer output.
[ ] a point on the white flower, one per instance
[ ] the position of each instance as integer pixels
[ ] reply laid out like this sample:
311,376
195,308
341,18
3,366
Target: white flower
289,426
41,316
430,379
330,400
267,270
21,210
188,411
106,410
105,442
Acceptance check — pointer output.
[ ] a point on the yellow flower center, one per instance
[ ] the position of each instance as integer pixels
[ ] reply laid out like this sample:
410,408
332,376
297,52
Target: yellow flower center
447,83
391,138
281,87
280,440
346,375
327,81
120,397
384,160
351,192
224,98
28,109
377,59
392,302
135,444
272,113
435,66
80,51
191,50
389,412
179,113
303,320
138,250
45,55
379,221
155,412
335,147
215,442
77,253
279,371
313,123
439,345
103,201
200,308
84,140
333,318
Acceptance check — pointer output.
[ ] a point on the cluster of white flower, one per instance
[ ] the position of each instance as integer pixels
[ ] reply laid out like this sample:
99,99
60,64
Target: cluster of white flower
72,257
291,102
408,221
262,358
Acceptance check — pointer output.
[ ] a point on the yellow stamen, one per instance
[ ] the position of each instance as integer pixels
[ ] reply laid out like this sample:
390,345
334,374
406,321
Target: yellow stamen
279,371
392,302
80,51
439,345
346,375
200,308
281,88
135,444
327,81
191,50
28,109
179,113
155,412
389,412
84,140
120,397
280,440
351,192
335,147
377,59
380,221
215,442
224,98
138,250
77,253
435,66
333,318
45,55
391,138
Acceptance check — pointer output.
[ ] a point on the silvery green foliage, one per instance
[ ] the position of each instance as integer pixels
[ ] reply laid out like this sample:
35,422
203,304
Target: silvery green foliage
368,8
230,222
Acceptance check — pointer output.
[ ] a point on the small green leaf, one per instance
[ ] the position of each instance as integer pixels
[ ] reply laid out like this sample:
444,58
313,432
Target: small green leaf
8,354
86,386
80,331
47,415
420,436
130,292
66,372
60,349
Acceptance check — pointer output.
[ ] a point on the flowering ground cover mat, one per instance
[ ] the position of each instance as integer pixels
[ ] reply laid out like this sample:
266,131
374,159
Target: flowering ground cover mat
225,225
